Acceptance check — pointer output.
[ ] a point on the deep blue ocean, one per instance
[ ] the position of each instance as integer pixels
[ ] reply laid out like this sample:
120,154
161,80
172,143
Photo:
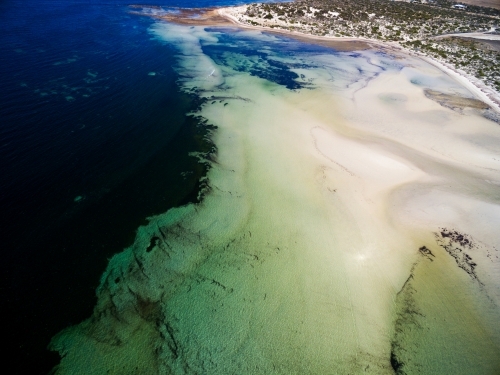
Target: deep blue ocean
91,144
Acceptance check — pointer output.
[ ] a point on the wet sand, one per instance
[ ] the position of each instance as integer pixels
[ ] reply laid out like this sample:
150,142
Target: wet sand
339,45
187,16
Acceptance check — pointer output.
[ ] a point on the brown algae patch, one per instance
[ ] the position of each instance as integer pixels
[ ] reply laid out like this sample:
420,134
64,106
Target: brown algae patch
455,102
184,16
435,297
459,104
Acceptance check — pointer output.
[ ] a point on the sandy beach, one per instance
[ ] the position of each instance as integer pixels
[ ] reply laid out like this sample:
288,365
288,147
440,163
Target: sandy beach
230,16
483,92
349,224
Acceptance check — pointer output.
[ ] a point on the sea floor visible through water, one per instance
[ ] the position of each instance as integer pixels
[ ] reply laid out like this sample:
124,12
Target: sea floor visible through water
94,140
239,202
348,223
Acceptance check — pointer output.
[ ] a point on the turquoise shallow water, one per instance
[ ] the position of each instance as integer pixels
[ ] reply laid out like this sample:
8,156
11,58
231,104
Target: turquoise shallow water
91,144
255,278
298,260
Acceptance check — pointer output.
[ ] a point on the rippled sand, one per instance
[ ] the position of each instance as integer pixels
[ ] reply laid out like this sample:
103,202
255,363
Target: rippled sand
347,227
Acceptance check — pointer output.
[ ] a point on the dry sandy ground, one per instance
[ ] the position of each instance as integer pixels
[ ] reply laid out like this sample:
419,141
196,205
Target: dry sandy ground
483,3
480,36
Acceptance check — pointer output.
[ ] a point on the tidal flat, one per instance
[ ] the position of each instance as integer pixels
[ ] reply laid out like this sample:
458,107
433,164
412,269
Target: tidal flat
348,224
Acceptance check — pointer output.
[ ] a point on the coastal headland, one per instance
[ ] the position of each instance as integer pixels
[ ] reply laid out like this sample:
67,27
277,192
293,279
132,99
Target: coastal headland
348,223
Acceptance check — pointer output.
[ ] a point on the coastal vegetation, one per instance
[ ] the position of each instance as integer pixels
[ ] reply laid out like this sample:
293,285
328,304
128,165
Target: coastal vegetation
411,25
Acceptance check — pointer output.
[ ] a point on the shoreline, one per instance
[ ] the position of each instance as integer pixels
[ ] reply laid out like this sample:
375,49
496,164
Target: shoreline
474,85
221,16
